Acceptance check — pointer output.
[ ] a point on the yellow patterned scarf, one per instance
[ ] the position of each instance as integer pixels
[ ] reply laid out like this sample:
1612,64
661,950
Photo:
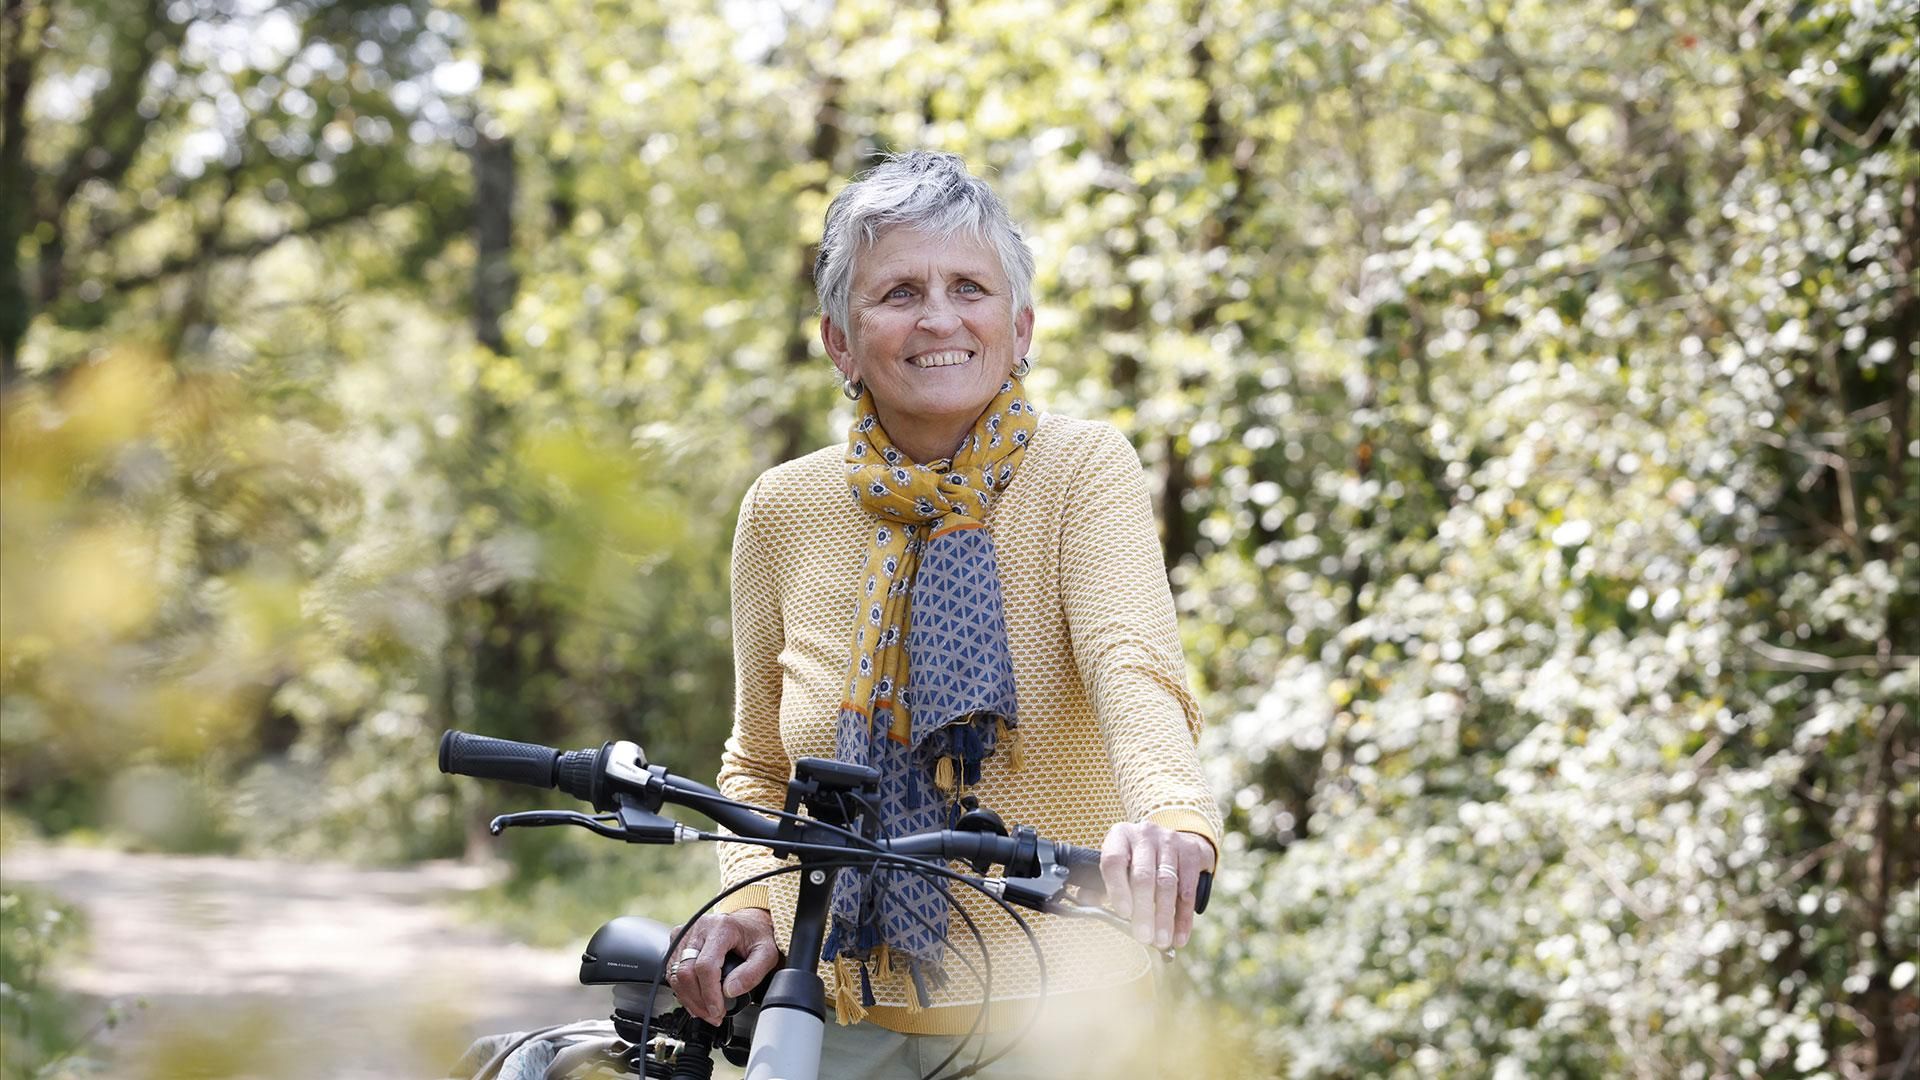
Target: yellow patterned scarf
930,687
914,504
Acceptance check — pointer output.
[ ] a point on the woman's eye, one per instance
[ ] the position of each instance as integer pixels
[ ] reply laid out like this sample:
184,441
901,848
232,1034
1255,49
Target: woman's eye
900,292
970,288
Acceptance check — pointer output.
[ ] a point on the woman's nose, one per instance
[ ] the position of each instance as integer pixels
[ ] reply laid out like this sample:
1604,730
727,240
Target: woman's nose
938,317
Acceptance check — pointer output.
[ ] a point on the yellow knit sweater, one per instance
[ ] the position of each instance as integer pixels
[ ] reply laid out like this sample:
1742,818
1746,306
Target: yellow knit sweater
1107,724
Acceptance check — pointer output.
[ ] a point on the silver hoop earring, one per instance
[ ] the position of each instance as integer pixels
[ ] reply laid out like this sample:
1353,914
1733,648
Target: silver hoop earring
1021,367
852,389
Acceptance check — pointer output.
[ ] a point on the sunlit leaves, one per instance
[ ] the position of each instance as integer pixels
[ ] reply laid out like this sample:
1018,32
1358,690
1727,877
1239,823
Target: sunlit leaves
1567,569
1526,381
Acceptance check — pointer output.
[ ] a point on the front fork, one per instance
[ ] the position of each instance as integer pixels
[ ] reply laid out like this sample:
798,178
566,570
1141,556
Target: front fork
786,1041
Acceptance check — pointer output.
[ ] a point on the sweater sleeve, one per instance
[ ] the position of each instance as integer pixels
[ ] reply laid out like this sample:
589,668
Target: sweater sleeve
1120,617
753,766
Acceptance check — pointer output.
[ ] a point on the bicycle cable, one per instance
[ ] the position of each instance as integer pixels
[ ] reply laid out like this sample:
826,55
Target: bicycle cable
858,852
912,864
986,981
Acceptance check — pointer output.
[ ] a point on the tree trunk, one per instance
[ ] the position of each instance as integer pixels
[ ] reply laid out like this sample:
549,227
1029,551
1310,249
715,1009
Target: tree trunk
1906,338
795,422
19,46
508,633
494,184
1219,146
1360,565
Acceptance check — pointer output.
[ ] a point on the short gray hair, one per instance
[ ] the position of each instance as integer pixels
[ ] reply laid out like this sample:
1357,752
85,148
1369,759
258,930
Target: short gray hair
920,189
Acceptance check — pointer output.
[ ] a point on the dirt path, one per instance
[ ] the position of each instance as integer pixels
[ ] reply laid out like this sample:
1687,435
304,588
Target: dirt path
263,968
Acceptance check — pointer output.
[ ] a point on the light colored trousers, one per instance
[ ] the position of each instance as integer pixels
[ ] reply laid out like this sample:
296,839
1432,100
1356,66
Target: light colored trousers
1104,1049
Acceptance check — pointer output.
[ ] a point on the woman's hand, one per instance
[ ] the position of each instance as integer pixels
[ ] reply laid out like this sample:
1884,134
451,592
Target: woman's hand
696,981
1152,874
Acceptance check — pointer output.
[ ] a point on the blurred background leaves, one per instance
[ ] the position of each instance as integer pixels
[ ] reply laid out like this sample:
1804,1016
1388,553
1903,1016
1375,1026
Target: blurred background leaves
1528,393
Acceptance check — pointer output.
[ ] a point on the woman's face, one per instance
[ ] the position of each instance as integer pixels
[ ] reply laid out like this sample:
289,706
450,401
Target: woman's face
932,332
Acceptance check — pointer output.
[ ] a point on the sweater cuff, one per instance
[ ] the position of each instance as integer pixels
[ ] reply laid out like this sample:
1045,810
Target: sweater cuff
1188,822
753,896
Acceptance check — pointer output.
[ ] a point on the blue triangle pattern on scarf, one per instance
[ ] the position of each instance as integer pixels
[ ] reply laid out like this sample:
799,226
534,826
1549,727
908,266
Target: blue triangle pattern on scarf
960,663
961,685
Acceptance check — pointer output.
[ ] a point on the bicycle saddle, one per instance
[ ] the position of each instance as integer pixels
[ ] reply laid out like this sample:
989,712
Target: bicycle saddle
628,949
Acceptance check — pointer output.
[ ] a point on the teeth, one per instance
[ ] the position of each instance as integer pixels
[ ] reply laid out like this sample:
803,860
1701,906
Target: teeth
941,359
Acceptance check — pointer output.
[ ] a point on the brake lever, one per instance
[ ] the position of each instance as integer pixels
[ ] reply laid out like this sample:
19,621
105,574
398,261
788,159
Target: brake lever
1104,915
632,822
528,819
1047,892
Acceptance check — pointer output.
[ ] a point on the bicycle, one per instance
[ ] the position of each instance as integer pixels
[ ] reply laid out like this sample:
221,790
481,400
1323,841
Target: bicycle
774,1031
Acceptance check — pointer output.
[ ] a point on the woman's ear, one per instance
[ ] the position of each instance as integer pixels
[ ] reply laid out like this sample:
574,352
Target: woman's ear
835,341
1023,333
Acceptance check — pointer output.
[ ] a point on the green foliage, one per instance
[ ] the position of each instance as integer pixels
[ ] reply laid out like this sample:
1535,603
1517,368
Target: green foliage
1598,689
36,1025
1528,392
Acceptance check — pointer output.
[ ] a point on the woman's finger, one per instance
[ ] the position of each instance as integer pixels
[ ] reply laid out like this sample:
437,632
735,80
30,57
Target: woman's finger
754,943
1166,888
704,975
1116,859
679,974
762,955
1144,857
1196,856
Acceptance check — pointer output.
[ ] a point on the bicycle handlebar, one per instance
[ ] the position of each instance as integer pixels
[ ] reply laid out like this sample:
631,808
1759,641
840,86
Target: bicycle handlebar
837,832
589,775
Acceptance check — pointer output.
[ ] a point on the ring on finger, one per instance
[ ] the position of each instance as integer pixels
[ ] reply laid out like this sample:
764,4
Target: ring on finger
1168,870
689,953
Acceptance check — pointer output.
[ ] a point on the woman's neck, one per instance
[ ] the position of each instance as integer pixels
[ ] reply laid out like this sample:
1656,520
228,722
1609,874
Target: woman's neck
921,443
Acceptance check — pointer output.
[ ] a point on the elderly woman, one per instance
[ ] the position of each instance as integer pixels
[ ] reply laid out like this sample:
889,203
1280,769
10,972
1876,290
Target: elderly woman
985,614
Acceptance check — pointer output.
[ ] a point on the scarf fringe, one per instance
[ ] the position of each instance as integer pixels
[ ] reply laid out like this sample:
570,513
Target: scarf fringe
1010,738
846,1000
916,991
944,776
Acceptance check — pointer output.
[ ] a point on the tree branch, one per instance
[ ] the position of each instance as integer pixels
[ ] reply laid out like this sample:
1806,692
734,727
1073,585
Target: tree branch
1620,889
1859,140
180,264
1805,865
1804,662
1536,114
115,130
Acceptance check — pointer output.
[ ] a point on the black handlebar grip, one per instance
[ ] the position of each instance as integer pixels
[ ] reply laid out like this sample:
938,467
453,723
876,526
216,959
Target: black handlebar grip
497,759
1083,865
1083,869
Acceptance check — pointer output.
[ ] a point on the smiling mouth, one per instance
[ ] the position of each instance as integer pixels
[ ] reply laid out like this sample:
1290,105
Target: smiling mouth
945,358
